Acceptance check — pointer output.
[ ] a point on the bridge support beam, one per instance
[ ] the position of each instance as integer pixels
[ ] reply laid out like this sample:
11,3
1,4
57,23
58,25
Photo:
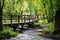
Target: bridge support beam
21,29
14,28
31,25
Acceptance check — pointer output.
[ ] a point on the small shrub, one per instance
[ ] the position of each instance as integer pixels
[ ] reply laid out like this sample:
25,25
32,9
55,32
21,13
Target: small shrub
7,33
49,29
45,30
43,21
40,22
13,34
2,36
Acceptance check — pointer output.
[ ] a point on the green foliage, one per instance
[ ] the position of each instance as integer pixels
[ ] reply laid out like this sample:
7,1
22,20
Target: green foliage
44,21
40,22
49,29
7,33
46,30
36,24
44,8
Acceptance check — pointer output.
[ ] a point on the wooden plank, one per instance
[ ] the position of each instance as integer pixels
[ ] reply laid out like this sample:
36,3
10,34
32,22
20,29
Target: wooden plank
14,17
27,21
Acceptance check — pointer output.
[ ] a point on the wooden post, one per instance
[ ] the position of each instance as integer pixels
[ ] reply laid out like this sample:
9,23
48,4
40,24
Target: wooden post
11,20
21,28
37,17
31,25
14,28
24,18
29,18
18,19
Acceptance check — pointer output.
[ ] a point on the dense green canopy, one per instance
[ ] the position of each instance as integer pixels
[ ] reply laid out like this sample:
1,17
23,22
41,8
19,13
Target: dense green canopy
44,8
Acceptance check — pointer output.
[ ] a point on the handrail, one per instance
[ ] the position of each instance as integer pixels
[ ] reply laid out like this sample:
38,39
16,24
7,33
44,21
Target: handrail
24,18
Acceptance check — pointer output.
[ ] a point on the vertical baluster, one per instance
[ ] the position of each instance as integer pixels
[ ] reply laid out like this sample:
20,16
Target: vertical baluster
18,19
24,18
11,20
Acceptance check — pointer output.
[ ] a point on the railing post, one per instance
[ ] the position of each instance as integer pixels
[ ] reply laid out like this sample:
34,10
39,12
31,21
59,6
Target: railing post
37,17
18,19
21,28
29,18
11,20
24,18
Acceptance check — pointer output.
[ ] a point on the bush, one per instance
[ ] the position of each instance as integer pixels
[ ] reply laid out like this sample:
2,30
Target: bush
45,30
7,33
49,29
40,22
36,24
43,21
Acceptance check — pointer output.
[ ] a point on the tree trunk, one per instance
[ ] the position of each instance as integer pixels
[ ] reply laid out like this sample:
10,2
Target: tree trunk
57,22
1,10
57,18
1,19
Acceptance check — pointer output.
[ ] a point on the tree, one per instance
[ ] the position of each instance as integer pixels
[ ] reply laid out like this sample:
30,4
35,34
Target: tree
1,10
57,18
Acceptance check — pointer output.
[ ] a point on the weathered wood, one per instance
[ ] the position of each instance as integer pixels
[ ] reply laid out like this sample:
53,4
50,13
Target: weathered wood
18,18
24,19
29,22
22,27
11,20
14,27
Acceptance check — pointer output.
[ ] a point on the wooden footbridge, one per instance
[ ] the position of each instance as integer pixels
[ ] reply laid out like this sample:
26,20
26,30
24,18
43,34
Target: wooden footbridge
21,20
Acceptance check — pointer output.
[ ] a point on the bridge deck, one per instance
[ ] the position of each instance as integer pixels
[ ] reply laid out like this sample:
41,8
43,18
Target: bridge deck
31,18
22,22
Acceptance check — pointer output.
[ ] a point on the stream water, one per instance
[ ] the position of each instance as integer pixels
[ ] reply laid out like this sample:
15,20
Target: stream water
30,34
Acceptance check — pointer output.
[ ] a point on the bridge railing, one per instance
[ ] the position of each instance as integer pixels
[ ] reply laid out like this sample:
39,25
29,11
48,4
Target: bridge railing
20,18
